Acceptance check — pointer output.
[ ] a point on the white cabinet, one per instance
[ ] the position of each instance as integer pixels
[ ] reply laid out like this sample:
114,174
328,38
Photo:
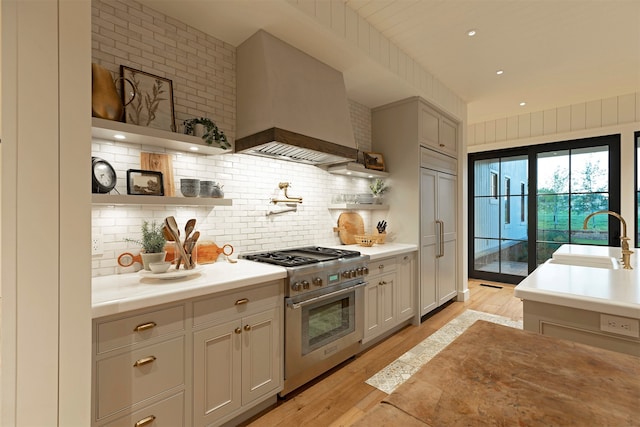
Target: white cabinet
435,131
410,133
406,274
139,362
438,234
237,358
204,361
389,295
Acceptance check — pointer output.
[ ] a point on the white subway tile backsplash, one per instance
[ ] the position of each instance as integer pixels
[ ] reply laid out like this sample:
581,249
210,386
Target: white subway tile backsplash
202,70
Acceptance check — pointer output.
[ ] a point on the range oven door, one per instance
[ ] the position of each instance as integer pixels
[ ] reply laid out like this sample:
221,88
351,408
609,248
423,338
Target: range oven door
322,331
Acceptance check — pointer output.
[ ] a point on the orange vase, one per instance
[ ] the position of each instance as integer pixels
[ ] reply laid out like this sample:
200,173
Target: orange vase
105,101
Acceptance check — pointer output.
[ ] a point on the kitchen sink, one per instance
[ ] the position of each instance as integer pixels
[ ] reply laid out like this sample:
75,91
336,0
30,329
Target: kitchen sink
610,263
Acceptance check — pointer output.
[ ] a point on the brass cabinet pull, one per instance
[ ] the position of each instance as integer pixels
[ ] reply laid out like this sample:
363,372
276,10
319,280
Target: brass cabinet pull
238,331
247,327
381,266
242,301
145,421
144,326
382,283
144,361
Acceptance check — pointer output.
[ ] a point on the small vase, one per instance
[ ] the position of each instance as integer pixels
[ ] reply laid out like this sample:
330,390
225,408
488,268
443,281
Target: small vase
377,199
149,258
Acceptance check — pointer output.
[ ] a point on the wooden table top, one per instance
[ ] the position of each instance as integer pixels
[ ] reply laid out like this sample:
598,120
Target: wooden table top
496,375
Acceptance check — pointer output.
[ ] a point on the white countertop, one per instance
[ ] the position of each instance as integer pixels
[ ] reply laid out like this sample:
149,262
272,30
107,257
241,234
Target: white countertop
588,288
124,292
381,251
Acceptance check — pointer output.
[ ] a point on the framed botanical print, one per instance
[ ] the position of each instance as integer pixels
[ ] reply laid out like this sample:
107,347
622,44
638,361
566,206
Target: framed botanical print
153,102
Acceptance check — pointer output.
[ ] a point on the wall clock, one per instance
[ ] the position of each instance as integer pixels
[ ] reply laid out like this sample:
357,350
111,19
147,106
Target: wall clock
103,176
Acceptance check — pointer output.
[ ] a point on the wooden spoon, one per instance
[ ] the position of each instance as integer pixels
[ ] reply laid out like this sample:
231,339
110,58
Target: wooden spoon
172,226
189,248
188,228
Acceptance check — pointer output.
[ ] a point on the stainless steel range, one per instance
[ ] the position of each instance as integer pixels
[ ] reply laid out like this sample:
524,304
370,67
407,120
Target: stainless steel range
324,315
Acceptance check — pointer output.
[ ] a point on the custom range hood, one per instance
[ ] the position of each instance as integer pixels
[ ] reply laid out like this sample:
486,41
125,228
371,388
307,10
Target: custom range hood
290,106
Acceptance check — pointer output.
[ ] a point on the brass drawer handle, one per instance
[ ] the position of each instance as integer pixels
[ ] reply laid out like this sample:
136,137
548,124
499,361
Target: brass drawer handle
144,361
238,331
247,328
242,301
145,421
382,283
144,326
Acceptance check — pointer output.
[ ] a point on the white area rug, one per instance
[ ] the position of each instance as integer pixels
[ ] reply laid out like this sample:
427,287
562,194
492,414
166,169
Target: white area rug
398,371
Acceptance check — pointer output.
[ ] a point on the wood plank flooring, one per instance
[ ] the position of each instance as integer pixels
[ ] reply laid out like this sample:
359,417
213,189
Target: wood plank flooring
341,396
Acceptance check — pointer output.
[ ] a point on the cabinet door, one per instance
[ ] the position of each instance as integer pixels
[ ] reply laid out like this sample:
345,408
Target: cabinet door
388,302
372,321
406,286
448,142
429,127
428,240
217,367
261,355
447,263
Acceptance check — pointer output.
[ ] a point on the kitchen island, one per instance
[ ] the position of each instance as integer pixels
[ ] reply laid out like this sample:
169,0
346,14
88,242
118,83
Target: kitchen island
592,305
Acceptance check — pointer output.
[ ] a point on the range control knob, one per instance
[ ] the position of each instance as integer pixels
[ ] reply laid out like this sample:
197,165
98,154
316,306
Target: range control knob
359,271
365,270
345,274
296,287
317,281
353,273
305,284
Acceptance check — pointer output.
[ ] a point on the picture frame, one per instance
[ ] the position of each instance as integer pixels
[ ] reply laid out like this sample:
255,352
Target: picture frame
144,183
373,161
152,105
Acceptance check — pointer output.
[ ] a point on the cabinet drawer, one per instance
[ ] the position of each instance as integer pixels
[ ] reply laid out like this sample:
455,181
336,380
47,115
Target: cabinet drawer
229,306
167,412
381,266
120,384
120,333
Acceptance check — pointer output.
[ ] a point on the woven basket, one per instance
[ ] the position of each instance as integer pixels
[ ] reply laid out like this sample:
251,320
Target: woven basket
365,239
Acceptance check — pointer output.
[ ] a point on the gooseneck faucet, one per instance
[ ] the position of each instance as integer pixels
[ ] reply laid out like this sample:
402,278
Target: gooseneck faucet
624,239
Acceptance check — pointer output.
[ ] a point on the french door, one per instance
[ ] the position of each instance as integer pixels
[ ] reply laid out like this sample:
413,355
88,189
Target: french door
527,202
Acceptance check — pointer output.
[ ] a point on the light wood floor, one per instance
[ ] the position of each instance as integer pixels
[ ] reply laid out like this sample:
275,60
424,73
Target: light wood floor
341,396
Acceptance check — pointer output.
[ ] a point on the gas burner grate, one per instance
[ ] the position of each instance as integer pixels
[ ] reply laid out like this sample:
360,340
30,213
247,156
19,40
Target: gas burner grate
301,256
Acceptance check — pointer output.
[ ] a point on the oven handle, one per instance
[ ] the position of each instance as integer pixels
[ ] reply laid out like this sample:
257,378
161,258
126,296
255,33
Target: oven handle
296,305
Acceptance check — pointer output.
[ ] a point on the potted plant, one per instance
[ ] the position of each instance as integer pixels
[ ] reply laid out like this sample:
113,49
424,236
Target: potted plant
152,242
211,134
378,188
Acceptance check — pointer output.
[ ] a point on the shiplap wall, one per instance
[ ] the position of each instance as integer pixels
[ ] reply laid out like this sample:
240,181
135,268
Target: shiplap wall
203,73
577,117
356,31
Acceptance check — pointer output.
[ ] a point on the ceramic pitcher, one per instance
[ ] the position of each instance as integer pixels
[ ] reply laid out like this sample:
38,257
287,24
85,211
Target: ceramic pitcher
105,101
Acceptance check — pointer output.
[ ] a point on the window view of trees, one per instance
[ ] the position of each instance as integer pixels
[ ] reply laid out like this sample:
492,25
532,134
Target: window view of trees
571,185
527,202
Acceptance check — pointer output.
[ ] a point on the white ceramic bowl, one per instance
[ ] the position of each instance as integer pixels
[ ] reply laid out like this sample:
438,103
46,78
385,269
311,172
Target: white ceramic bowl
159,267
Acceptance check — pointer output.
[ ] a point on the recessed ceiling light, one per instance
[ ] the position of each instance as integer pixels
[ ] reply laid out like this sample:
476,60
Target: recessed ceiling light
193,148
522,104
472,32
500,72
119,136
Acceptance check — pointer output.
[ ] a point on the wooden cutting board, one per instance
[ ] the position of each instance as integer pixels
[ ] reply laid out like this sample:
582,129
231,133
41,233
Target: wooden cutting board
349,224
160,162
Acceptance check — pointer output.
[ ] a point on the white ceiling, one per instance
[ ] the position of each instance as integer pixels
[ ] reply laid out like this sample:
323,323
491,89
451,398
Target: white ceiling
553,52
